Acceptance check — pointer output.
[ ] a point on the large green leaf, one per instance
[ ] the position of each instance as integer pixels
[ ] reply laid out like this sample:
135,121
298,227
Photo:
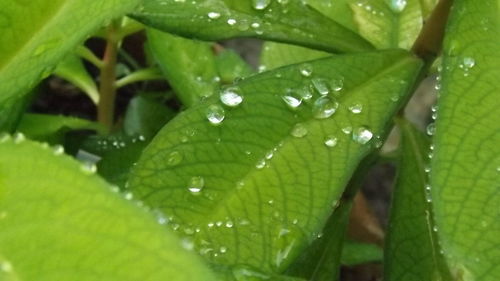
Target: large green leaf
60,222
257,188
388,23
275,55
412,248
466,158
188,65
284,21
37,34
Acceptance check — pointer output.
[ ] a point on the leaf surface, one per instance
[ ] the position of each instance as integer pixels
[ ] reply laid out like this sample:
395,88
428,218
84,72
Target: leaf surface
412,246
36,35
287,21
61,222
73,70
466,159
256,189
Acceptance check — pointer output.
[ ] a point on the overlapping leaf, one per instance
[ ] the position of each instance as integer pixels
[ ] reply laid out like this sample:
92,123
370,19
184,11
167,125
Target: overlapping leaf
284,21
412,247
257,188
60,222
37,34
466,159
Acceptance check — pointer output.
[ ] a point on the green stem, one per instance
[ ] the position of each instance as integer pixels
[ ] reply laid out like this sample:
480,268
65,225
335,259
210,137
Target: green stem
140,75
87,54
107,89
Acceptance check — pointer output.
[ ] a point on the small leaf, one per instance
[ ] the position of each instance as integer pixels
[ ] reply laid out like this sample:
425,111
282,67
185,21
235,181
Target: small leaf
231,66
288,21
63,223
188,65
145,116
388,23
411,236
36,35
253,184
466,157
73,70
52,128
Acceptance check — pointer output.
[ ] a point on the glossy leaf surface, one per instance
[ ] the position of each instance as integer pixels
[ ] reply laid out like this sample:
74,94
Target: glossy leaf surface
254,184
36,35
287,21
64,223
412,247
466,159
188,65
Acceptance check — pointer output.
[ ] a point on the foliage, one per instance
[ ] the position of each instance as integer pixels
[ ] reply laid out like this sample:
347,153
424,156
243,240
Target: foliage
235,174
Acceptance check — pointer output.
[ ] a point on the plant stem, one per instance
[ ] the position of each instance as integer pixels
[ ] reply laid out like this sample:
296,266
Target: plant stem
430,40
139,75
107,89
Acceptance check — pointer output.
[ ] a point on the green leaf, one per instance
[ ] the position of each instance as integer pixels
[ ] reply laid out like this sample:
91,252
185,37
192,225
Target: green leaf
258,188
63,223
321,260
388,23
275,55
289,22
145,116
412,247
354,253
338,10
36,35
73,70
231,66
52,128
188,65
466,162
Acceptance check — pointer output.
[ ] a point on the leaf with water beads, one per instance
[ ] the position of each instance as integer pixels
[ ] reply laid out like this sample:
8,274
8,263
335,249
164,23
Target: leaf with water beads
81,221
271,20
265,194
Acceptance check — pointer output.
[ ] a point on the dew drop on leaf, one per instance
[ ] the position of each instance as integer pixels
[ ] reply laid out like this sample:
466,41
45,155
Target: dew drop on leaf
89,168
324,107
362,135
292,99
231,96
356,108
299,130
261,164
174,158
58,149
306,70
19,137
215,114
331,141
398,6
321,86
260,4
196,184
231,21
213,15
431,129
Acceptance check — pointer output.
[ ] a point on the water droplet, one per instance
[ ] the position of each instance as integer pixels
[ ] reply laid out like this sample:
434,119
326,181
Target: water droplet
231,96
305,93
89,168
337,85
215,114
321,86
19,137
469,62
331,141
356,108
128,196
362,135
260,4
196,184
231,21
299,130
347,130
174,158
324,107
292,99
270,154
398,6
222,250
229,224
431,129
58,149
213,15
306,70
261,164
